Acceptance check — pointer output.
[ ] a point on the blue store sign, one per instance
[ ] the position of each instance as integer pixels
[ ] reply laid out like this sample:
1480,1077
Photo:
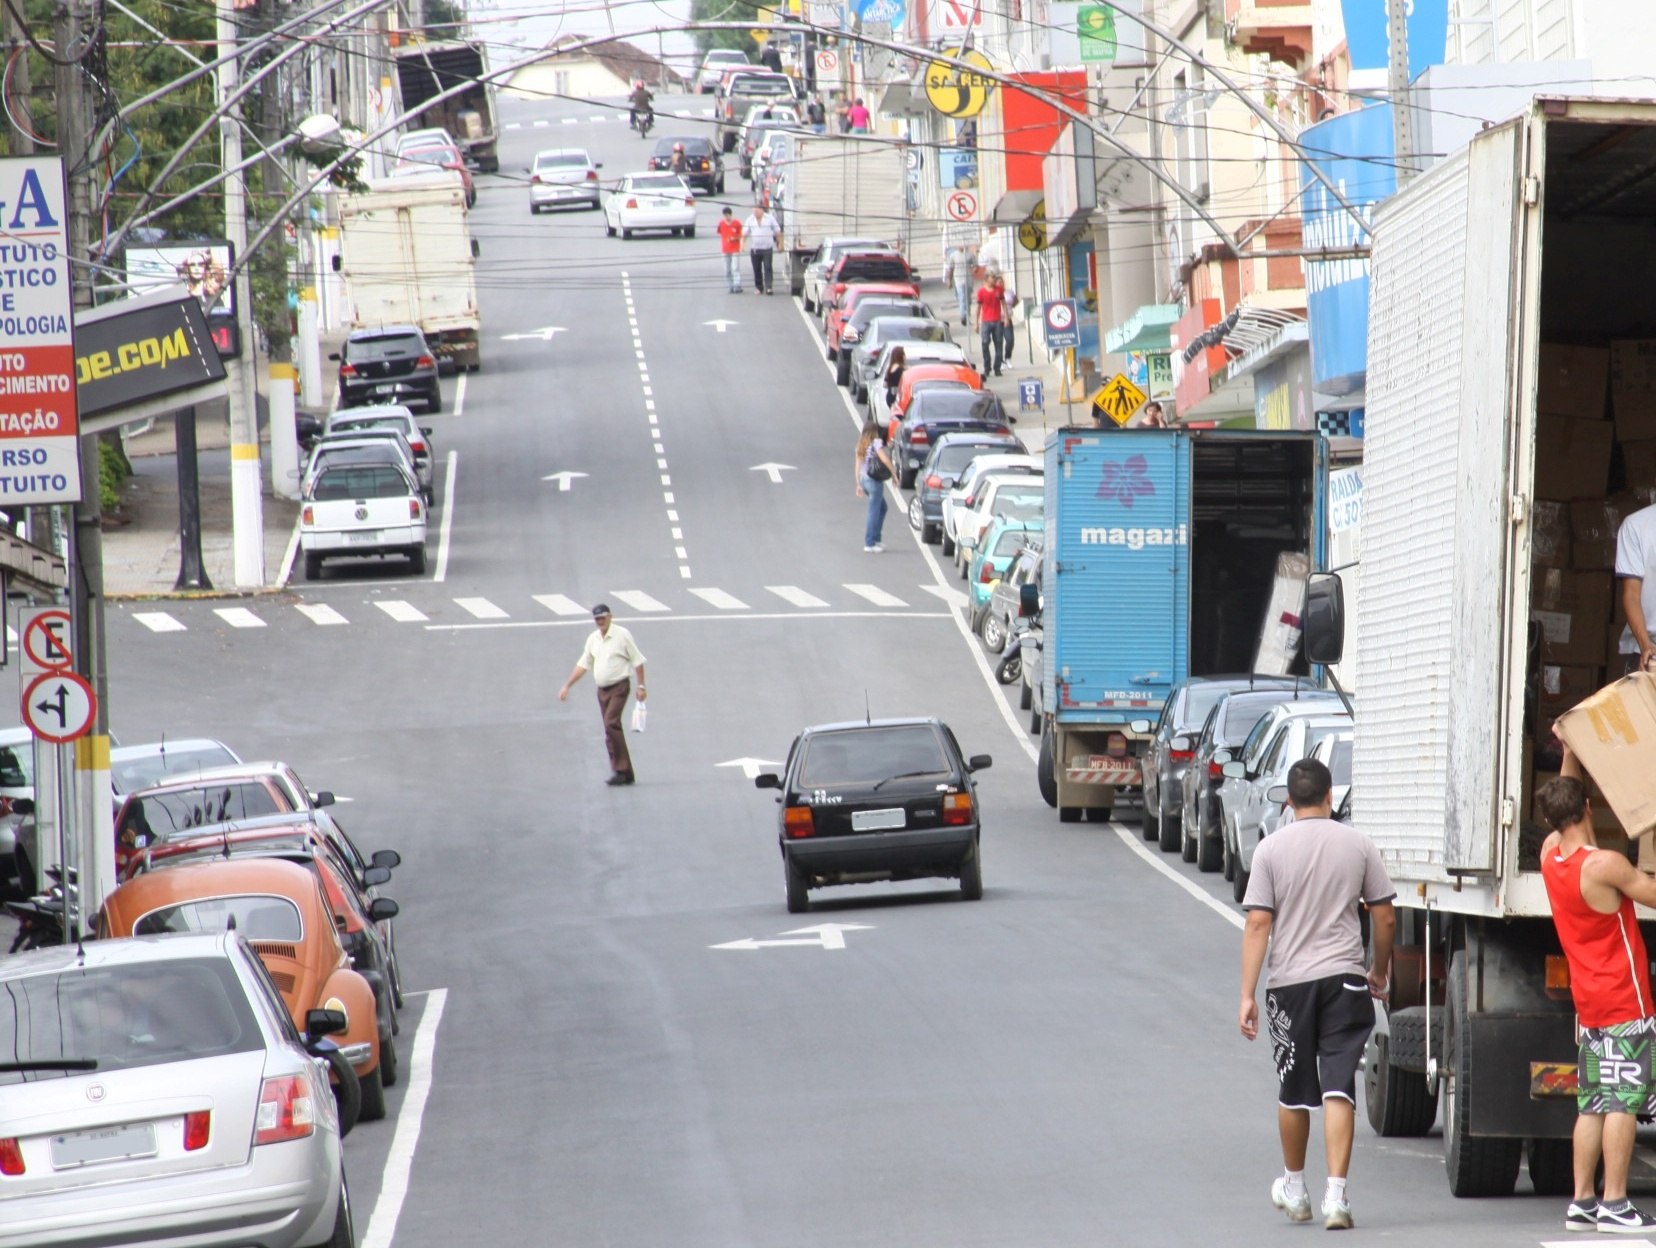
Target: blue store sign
1369,45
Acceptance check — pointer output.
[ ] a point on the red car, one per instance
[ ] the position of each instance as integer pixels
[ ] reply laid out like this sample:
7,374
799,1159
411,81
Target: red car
840,300
422,159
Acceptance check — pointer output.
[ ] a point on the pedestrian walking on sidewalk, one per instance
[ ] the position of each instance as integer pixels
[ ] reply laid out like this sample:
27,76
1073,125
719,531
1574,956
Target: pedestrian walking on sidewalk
1009,301
990,314
872,468
857,117
730,246
816,115
1593,892
611,655
1308,878
763,234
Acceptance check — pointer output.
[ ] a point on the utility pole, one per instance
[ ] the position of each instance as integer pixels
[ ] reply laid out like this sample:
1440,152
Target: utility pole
1397,86
94,846
246,501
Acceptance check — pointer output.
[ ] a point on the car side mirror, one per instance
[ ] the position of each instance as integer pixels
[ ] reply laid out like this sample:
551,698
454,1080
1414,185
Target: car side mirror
1277,794
979,762
1221,757
322,797
373,876
333,355
1029,599
1234,771
767,780
382,908
1140,726
426,429
1324,637
1182,743
319,1023
387,858
23,806
476,250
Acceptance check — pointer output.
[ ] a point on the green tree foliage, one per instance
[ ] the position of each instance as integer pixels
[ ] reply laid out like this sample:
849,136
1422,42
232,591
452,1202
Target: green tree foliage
724,11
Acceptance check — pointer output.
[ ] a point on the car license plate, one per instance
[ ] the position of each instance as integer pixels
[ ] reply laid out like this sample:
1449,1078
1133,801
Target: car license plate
878,820
88,1148
389,388
367,537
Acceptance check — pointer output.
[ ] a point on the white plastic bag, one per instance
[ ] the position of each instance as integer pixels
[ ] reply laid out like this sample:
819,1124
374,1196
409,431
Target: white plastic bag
638,716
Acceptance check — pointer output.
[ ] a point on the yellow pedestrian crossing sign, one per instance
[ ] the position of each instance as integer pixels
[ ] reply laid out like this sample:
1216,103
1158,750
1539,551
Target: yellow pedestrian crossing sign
1117,399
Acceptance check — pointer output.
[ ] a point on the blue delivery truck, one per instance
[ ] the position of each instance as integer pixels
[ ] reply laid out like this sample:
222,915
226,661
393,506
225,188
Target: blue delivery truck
1160,558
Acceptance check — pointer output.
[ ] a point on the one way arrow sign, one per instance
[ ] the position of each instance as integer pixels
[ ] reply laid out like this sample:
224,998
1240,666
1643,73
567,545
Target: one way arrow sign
822,936
750,766
543,334
563,479
774,471
721,325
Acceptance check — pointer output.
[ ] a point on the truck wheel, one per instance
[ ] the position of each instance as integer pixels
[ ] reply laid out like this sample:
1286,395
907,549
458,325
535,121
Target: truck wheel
1069,814
798,893
1400,1102
1551,1167
1045,777
1208,854
971,876
1477,1165
1099,814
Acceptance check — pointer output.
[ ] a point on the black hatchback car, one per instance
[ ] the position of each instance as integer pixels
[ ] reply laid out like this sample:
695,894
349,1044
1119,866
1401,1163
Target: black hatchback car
703,162
889,799
388,365
949,455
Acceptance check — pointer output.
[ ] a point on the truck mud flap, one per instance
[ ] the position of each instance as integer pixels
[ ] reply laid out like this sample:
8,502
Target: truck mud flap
1505,1106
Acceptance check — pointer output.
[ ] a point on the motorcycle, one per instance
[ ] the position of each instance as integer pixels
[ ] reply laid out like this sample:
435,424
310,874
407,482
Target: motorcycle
642,121
1009,670
40,918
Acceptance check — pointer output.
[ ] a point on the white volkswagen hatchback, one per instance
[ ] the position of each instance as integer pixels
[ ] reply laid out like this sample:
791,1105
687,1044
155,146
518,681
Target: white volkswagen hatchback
651,201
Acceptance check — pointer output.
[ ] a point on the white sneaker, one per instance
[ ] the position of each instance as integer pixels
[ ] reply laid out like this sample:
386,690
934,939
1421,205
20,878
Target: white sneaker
1298,1209
876,549
1337,1215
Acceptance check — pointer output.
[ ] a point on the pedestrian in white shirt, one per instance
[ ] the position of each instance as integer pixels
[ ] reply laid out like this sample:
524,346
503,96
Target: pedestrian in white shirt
610,654
763,234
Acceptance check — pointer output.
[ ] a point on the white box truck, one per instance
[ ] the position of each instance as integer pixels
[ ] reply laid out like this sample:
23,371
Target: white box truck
407,256
841,186
1512,255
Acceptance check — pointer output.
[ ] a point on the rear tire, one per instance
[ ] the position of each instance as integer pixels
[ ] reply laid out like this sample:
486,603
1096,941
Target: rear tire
971,876
1151,826
417,562
690,232
1208,854
344,1228
1034,719
797,891
313,567
1099,814
842,367
388,1067
1400,1103
948,546
625,233
373,1096
1239,884
1477,1165
1045,777
1168,833
347,1090
435,402
1069,814
1026,698
929,533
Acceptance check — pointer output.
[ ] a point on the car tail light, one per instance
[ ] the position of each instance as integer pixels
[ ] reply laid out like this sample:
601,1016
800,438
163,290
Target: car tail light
1216,771
287,1110
534,179
632,203
308,515
798,822
11,1158
920,436
957,810
413,509
987,575
419,448
425,361
1180,756
591,175
347,370
691,200
934,482
198,1127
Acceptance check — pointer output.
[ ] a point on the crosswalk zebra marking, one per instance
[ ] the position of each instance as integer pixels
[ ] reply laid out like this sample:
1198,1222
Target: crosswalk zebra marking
402,612
320,613
238,617
638,600
796,596
158,621
480,608
559,605
718,598
954,597
876,595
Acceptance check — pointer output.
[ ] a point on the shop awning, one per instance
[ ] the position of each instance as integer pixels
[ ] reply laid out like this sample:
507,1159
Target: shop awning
1146,330
1014,207
1263,339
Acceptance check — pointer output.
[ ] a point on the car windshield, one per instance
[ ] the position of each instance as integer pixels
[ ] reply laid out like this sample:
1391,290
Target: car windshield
178,810
16,766
255,916
432,156
761,86
867,309
370,425
360,481
1339,758
950,404
666,182
864,755
1240,713
561,160
1010,542
1016,506
387,347
915,331
951,459
121,1017
140,773
1199,702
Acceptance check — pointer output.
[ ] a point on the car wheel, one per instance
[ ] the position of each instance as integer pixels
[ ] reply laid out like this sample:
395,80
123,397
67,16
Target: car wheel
435,402
534,210
373,1095
994,633
313,567
1168,829
799,900
347,1090
1045,778
721,184
971,875
842,367
690,232
388,1067
1026,696
609,229
396,982
1151,825
1187,838
1228,859
948,544
417,561
1099,814
914,515
1069,814
1239,882
1207,853
625,233
929,534
344,1228
809,306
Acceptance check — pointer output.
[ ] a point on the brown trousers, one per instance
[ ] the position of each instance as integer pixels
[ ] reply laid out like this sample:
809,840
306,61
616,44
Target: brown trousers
612,702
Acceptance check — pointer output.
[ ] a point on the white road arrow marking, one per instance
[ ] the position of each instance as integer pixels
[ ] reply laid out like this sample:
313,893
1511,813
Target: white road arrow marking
563,479
774,471
543,334
721,325
822,936
750,766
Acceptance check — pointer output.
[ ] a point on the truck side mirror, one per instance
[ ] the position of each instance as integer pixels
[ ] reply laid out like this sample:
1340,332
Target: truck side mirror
476,250
337,263
1324,619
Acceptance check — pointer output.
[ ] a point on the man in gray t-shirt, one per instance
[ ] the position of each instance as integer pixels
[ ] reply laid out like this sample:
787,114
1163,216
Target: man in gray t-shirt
1308,878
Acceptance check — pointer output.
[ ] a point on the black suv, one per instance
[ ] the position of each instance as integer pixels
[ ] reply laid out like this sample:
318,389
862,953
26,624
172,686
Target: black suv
388,365
703,165
886,799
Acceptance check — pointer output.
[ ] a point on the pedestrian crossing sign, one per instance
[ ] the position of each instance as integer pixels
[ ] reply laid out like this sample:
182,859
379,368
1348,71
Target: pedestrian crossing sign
1117,399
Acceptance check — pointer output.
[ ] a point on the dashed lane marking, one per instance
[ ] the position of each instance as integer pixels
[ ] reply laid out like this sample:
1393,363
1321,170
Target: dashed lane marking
638,600
402,612
796,596
158,621
238,617
320,613
480,608
876,595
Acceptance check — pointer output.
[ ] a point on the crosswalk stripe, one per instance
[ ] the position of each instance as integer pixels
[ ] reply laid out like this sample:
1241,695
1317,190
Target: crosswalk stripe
402,612
158,621
542,122
954,597
796,596
718,598
320,613
482,608
599,117
638,600
876,595
238,617
571,121
559,605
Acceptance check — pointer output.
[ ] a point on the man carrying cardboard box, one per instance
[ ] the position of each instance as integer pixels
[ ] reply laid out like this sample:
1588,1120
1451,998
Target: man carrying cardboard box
1636,566
1592,892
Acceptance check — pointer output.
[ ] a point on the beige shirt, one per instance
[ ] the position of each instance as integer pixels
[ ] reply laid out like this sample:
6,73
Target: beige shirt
610,658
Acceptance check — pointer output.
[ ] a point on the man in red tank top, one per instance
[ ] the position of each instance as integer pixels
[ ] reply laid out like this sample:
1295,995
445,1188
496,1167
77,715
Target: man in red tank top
1592,892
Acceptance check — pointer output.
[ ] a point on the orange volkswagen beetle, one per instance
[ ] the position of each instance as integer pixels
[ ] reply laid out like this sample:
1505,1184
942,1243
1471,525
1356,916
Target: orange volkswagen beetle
279,909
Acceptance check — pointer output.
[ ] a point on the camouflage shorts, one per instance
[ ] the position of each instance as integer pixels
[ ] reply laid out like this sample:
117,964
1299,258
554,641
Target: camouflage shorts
1615,1069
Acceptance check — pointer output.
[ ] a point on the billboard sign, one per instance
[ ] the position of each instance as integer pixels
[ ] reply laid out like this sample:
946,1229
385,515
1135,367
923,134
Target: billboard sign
204,268
39,425
140,349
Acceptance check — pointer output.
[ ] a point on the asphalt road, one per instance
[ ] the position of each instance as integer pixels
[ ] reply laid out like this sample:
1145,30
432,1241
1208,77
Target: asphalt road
1057,1065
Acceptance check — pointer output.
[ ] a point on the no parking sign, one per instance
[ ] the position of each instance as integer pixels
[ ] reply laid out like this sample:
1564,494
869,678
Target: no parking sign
1062,327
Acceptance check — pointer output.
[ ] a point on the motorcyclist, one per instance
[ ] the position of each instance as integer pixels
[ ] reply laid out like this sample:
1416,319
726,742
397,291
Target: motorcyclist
680,162
641,99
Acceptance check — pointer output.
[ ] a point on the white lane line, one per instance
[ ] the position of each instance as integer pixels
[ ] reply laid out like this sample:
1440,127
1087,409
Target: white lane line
599,117
876,595
448,519
662,464
666,479
158,621
1131,838
399,1162
286,573
718,598
238,617
402,612
481,608
571,121
795,595
514,125
697,619
460,394
949,594
541,122
638,600
684,571
320,613
559,605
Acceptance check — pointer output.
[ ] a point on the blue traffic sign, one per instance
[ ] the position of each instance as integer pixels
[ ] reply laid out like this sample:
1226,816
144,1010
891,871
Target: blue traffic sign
1063,327
1031,395
891,11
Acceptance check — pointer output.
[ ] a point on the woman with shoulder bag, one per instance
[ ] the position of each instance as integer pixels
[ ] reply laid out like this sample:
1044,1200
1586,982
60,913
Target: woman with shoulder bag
873,470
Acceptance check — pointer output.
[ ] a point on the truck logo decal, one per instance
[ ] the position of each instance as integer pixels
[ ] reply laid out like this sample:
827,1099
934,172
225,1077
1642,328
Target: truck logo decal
1125,480
1136,538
